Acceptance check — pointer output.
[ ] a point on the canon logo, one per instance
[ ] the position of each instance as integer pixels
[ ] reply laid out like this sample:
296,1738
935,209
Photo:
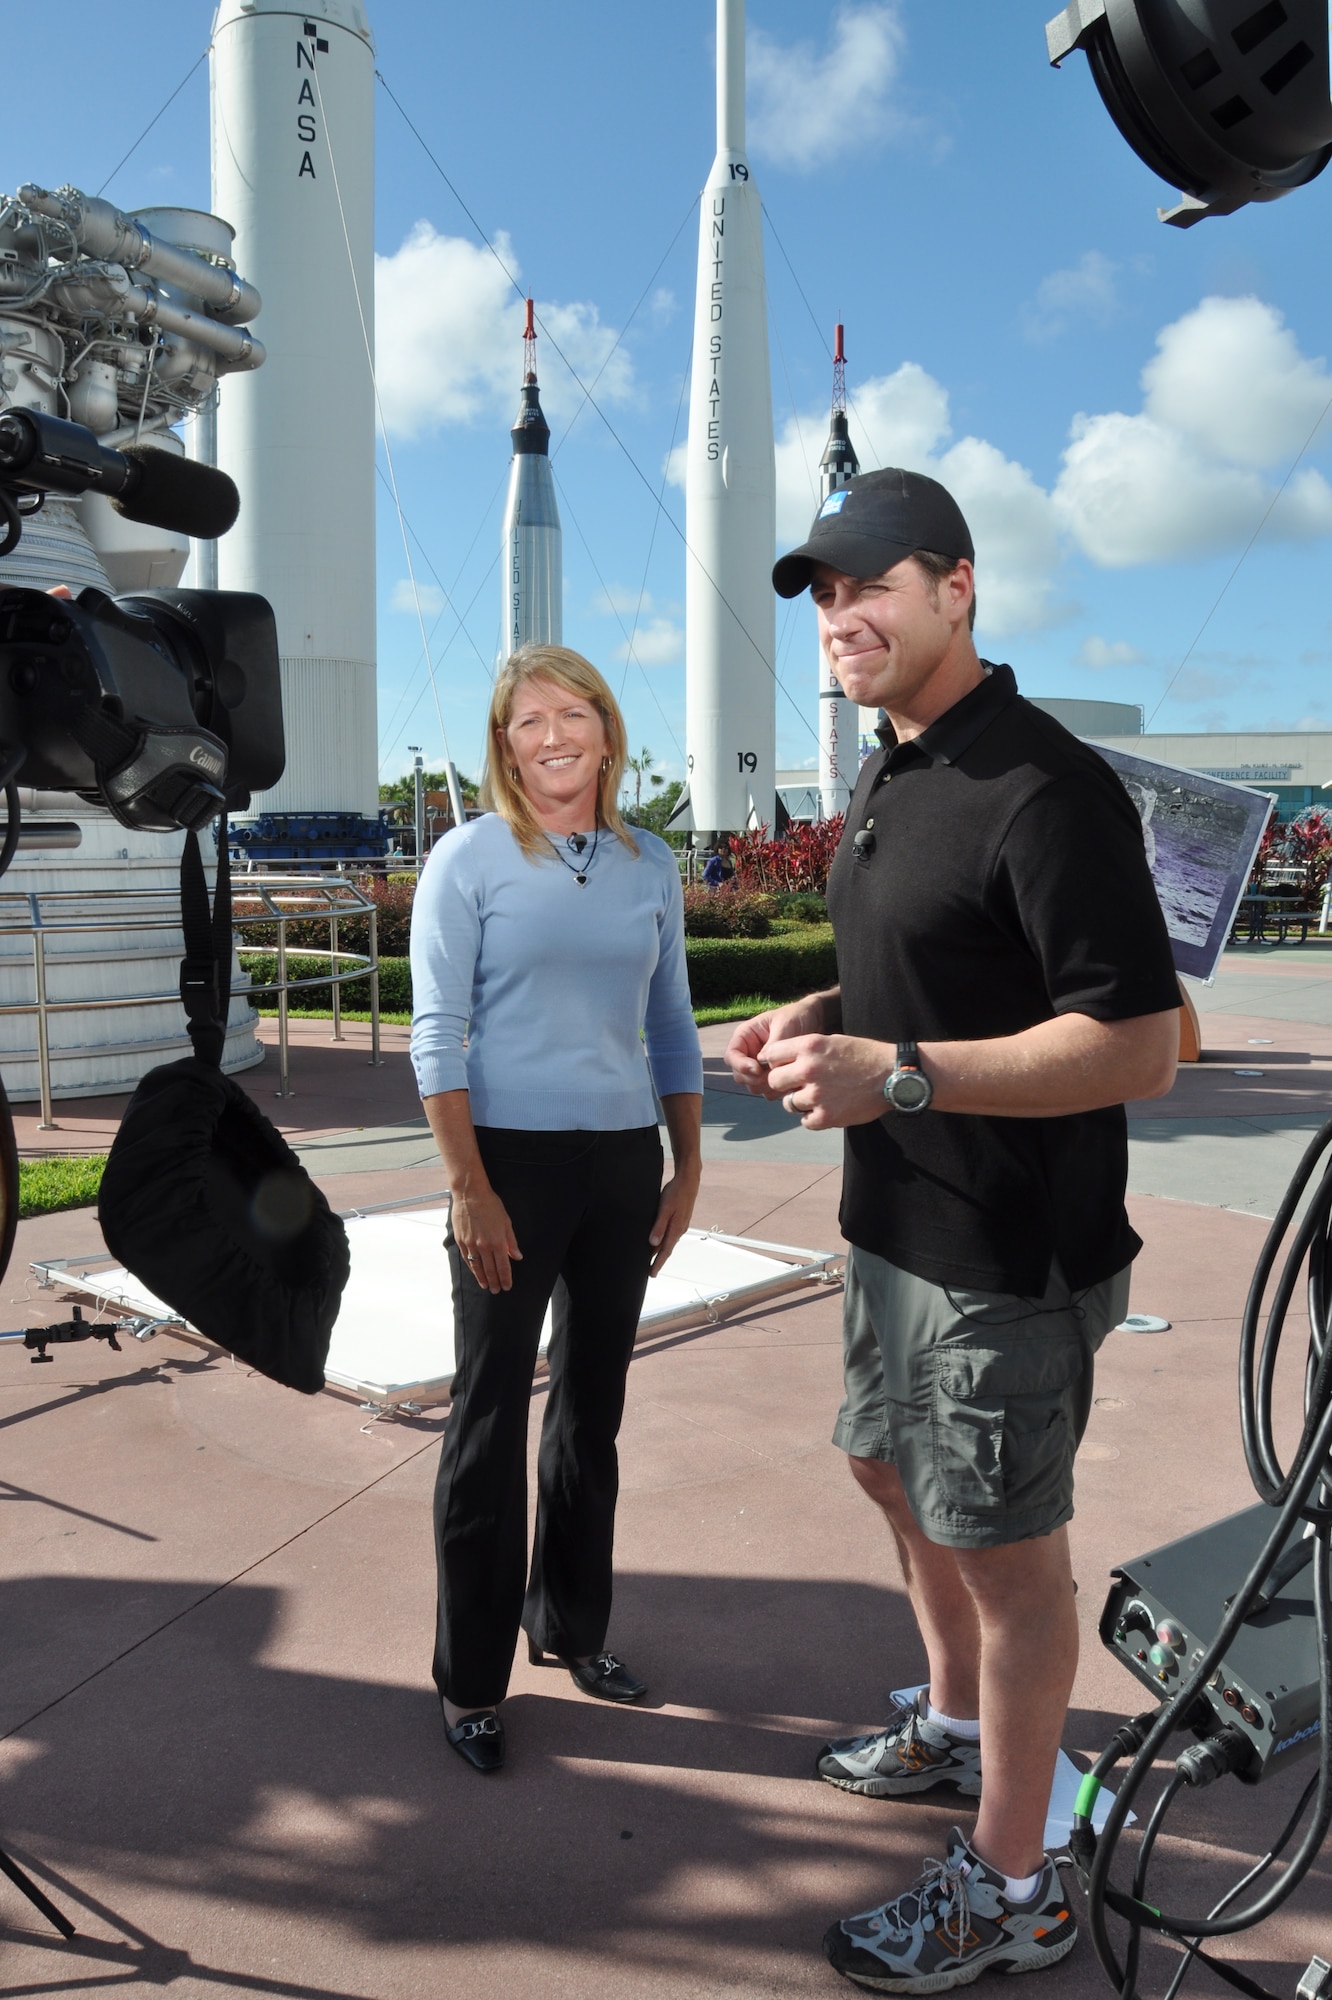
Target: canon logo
205,758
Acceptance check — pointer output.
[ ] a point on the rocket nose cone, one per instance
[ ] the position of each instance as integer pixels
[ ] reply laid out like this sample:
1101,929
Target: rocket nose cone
531,432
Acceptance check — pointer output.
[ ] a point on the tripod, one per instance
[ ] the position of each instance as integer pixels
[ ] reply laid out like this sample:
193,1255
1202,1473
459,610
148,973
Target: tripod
35,1895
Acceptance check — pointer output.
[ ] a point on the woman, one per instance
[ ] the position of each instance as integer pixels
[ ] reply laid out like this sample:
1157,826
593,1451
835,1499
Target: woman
552,940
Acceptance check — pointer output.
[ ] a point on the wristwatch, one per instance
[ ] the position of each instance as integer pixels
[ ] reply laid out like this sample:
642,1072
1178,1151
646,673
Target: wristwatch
908,1088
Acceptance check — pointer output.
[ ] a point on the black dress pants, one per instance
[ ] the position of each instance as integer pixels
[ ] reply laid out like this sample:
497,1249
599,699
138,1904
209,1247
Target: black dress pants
581,1205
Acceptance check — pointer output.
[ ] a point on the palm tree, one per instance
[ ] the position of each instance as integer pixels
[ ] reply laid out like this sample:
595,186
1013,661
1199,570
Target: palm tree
642,767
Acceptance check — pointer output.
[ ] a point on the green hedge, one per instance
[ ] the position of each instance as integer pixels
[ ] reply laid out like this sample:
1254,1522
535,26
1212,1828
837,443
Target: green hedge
719,968
395,983
784,966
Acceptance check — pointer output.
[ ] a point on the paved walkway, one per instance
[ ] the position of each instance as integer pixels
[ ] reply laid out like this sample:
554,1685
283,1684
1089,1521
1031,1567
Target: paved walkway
218,1744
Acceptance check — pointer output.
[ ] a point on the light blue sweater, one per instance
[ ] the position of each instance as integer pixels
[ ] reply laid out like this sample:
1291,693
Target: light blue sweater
551,983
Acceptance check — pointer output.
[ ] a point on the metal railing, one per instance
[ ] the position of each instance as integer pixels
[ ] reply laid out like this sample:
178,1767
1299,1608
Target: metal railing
43,914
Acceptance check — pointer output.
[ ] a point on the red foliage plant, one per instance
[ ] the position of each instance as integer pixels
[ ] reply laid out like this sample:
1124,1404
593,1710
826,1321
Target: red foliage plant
392,898
795,862
1308,846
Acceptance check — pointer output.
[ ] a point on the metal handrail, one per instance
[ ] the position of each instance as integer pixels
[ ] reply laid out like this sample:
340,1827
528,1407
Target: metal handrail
43,913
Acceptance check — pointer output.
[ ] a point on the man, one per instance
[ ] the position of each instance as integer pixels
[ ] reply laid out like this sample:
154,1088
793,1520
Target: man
1005,984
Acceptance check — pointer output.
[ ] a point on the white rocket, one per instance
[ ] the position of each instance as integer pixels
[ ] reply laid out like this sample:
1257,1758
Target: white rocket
293,171
532,559
730,486
839,757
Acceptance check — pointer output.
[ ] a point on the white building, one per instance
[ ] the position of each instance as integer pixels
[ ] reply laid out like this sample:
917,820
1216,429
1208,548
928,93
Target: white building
1293,765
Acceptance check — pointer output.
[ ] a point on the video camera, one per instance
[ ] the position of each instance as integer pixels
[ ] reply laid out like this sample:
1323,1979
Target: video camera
163,705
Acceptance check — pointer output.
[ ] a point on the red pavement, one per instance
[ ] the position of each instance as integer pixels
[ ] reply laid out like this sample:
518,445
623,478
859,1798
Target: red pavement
334,1088
219,1746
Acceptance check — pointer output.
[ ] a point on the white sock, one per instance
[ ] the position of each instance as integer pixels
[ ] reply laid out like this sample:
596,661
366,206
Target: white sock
1021,1888
968,1731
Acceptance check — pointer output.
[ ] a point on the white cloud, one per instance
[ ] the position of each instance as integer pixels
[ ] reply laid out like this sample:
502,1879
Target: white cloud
1085,290
1181,477
1230,377
806,105
1227,396
658,642
1013,527
621,601
449,338
902,419
1098,653
432,597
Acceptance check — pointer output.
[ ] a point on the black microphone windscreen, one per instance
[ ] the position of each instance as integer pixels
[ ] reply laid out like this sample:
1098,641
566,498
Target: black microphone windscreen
169,492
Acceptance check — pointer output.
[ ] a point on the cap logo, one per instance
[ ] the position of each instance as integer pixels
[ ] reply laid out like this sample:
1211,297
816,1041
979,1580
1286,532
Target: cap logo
834,504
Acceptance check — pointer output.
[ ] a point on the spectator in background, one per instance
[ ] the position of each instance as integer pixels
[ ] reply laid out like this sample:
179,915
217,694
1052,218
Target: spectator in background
718,869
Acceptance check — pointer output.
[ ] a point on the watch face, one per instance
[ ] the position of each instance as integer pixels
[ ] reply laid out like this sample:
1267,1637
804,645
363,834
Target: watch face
909,1090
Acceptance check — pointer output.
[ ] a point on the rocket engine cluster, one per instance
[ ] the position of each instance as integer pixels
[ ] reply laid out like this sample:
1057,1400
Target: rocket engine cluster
123,323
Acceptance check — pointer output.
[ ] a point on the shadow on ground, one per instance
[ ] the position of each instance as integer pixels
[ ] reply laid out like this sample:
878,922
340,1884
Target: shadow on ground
647,1837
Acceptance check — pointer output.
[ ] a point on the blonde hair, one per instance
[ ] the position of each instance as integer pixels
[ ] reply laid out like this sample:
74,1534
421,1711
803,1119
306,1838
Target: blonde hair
501,789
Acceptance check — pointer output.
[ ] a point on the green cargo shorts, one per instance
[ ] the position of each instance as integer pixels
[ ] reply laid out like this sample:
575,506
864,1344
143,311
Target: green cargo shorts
979,1398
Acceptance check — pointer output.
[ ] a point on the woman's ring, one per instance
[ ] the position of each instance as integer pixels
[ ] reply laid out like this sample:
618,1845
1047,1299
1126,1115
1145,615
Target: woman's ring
788,1104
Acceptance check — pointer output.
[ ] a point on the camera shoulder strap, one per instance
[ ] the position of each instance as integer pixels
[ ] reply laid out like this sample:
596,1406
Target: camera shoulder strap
205,971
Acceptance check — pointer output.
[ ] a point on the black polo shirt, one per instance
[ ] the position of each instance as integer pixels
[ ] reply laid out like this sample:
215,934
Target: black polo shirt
1006,884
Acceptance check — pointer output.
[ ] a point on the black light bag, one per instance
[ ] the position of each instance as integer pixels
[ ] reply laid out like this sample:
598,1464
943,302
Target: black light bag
204,1200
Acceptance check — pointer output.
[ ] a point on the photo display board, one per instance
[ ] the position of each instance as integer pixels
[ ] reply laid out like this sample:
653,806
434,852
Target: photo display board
1201,835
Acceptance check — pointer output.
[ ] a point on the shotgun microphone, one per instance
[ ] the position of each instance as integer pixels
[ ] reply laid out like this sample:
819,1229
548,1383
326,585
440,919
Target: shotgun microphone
45,454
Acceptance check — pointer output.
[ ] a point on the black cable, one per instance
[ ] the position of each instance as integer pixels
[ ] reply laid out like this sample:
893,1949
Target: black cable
13,521
14,827
11,763
1153,1828
1237,1889
1291,1493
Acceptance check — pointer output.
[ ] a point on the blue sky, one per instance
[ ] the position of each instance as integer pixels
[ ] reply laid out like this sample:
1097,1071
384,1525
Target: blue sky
1117,404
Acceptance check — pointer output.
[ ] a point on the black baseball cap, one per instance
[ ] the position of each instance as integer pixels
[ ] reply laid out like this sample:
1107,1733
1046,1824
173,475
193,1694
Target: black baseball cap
872,523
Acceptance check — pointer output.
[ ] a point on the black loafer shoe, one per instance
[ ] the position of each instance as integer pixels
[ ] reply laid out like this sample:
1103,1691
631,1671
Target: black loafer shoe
604,1676
478,1739
607,1678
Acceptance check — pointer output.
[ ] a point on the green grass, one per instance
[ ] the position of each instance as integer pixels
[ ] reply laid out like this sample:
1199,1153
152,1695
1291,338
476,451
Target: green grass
733,1010
59,1181
326,1014
706,1017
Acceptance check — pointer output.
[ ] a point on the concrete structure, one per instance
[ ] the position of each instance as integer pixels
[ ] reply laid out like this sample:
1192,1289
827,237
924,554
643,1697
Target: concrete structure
730,486
293,169
532,553
1092,718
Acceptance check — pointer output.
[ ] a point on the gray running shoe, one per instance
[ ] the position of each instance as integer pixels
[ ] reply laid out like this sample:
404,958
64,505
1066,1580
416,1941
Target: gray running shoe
955,1923
908,1754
